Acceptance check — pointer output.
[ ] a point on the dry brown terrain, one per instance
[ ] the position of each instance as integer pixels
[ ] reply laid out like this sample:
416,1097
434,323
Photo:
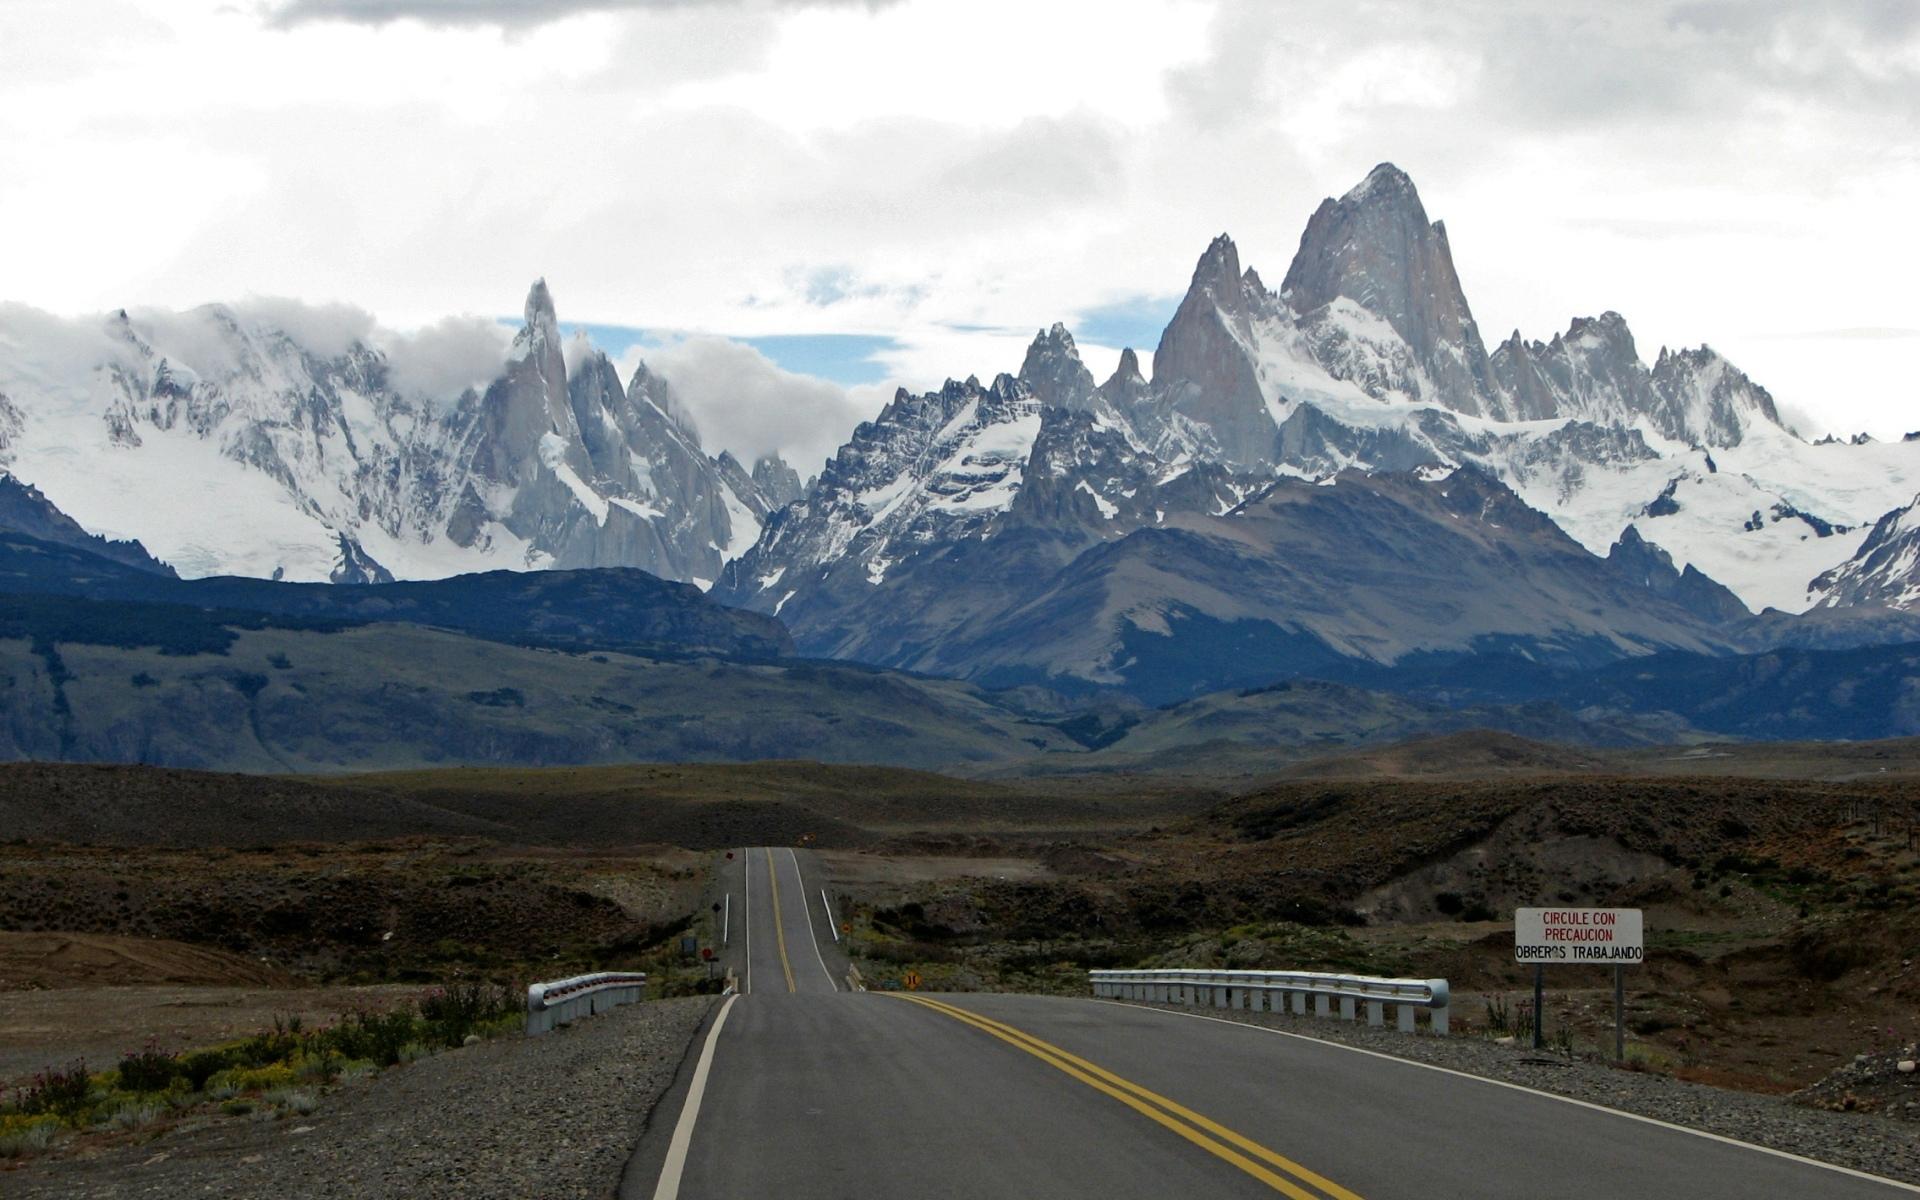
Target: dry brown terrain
1779,882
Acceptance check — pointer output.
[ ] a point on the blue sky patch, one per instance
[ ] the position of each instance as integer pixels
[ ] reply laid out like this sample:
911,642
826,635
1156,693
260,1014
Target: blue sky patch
844,358
1136,321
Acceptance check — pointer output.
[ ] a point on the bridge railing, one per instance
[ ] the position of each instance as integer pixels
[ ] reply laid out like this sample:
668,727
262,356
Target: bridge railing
564,1000
1284,991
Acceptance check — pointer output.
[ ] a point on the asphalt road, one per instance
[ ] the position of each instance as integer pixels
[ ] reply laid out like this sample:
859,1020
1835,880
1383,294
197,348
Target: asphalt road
805,1093
786,942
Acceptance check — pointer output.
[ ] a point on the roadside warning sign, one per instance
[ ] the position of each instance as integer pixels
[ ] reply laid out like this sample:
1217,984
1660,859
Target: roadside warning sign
912,980
1604,936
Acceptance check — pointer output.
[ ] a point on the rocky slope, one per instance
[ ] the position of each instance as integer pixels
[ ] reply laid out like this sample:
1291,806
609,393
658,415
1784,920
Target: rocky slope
1885,570
25,510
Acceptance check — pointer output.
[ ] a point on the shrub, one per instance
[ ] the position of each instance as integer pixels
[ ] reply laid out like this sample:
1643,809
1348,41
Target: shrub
134,1115
293,1100
58,1091
374,1036
149,1070
203,1065
453,1012
253,1079
23,1135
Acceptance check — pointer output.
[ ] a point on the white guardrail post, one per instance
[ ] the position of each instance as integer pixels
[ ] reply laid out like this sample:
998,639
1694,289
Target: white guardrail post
1284,991
567,1000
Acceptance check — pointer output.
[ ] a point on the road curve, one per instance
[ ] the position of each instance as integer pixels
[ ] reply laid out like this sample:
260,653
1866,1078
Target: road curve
815,1094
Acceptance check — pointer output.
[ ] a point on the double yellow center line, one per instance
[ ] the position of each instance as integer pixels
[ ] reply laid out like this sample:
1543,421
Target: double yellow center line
1275,1170
779,934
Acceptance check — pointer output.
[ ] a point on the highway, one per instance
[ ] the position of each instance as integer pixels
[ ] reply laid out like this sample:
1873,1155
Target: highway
800,1089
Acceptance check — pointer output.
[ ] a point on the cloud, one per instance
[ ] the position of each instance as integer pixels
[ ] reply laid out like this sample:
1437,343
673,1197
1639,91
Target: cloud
444,359
510,14
742,402
1869,333
907,170
328,330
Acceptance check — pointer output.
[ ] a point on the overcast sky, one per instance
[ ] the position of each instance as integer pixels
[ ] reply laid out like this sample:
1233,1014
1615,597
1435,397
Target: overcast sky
940,178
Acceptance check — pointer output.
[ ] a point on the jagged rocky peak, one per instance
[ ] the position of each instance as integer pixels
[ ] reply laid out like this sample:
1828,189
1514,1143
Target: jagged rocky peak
1706,400
1592,372
1127,373
356,567
1053,372
1646,565
1126,383
1202,367
541,319
779,483
1375,248
1882,571
1217,278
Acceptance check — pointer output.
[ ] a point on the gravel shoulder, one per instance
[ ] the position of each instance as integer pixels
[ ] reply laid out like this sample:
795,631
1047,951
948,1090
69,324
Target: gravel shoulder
555,1116
1877,1145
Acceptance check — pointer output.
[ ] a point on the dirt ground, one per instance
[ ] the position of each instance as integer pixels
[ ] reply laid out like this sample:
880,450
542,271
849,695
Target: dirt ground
853,869
39,1029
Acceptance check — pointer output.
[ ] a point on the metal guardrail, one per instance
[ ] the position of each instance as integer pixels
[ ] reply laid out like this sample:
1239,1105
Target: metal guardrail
1281,991
564,1000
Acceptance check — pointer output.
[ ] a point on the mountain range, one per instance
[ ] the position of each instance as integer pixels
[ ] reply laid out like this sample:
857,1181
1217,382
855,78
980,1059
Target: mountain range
1332,479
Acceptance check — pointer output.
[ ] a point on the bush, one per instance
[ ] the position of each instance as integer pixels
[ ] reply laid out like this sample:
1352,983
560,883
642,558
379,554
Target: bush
453,1012
134,1115
376,1037
203,1065
58,1091
253,1079
293,1100
149,1070
23,1135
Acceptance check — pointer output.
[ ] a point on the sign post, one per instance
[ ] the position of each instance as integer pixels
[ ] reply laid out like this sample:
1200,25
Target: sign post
1539,1005
1619,1012
1611,936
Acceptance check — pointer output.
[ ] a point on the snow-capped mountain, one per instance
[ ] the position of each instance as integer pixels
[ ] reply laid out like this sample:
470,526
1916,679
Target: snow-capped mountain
230,445
229,441
1884,571
1369,357
1042,528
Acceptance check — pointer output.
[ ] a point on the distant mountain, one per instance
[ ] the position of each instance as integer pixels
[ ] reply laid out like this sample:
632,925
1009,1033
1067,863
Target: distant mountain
613,608
24,510
94,681
1885,570
1336,477
1062,586
233,445
1058,530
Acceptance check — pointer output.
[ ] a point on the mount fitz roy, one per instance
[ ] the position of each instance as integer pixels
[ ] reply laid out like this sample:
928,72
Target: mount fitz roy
228,446
1328,477
1333,474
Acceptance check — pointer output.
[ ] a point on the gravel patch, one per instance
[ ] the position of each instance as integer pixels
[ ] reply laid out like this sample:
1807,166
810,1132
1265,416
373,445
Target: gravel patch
554,1116
1863,1142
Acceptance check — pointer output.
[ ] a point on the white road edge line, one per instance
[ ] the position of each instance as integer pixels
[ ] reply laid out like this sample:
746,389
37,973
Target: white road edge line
1521,1087
831,927
746,912
800,881
676,1161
